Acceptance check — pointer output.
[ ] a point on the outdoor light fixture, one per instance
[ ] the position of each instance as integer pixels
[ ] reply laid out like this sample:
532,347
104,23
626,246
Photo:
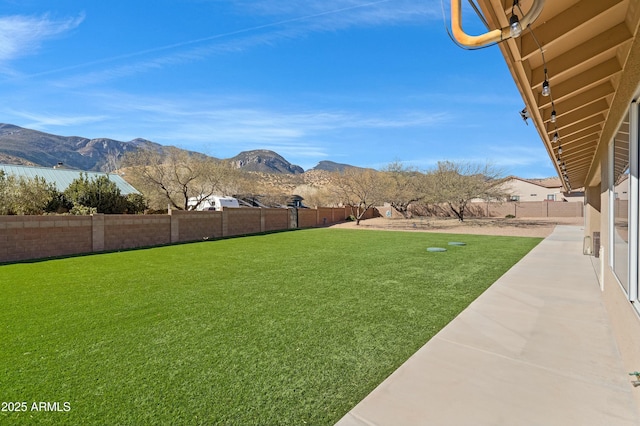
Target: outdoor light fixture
553,116
515,29
559,150
546,90
555,137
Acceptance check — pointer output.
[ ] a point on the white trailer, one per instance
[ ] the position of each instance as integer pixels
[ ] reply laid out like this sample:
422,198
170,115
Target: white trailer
214,202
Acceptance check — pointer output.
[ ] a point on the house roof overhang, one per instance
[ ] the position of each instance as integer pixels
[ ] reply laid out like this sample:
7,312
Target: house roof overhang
592,57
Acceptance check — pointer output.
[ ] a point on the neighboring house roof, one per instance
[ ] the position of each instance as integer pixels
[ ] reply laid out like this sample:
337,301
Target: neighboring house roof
62,178
550,182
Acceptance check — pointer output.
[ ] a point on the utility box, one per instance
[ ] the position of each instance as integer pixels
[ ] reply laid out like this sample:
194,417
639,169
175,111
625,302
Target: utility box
586,246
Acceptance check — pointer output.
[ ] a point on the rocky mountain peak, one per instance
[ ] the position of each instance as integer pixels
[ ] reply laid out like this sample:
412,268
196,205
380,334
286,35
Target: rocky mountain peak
265,161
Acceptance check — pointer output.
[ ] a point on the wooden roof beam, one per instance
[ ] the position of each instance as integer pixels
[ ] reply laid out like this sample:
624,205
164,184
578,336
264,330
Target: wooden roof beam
605,43
596,75
578,101
564,24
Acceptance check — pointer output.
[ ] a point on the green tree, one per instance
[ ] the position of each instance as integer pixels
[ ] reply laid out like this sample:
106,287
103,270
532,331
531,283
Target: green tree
101,194
5,194
58,203
26,196
4,199
135,203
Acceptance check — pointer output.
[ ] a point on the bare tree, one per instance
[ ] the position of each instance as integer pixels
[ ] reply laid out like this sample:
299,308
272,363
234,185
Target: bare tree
359,188
403,186
457,183
176,176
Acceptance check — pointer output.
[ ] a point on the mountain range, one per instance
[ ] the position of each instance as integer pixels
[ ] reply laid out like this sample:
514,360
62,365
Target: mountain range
29,147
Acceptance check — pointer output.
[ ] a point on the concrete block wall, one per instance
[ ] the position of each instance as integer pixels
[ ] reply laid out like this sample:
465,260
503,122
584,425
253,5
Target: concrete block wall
517,209
132,231
327,215
308,218
241,221
275,219
530,209
195,226
568,209
536,209
35,237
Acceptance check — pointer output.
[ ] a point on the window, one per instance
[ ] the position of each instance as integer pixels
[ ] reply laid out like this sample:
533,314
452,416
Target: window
623,211
514,198
551,197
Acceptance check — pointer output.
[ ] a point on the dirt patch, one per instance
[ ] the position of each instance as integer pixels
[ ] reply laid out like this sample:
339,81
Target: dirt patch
521,227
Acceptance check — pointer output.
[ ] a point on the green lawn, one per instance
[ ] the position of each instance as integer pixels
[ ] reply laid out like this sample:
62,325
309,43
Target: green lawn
285,328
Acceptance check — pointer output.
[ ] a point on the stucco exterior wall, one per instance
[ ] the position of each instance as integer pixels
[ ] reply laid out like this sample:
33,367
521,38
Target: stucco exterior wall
625,320
527,191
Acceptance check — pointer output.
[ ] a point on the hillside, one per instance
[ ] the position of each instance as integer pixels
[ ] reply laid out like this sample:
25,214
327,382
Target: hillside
31,147
330,166
23,146
264,161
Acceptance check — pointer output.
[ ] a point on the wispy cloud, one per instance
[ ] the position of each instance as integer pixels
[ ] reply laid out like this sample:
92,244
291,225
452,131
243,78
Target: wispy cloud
260,126
287,20
526,158
221,125
46,121
23,35
329,15
264,125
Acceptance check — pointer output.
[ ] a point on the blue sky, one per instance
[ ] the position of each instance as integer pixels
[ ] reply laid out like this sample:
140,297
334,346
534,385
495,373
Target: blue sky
351,81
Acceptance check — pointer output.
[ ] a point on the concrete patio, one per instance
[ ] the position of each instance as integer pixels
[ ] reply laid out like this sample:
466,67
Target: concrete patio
535,349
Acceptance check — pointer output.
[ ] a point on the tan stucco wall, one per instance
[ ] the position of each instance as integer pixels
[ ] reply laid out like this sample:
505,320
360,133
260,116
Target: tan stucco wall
625,321
622,189
529,192
593,217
